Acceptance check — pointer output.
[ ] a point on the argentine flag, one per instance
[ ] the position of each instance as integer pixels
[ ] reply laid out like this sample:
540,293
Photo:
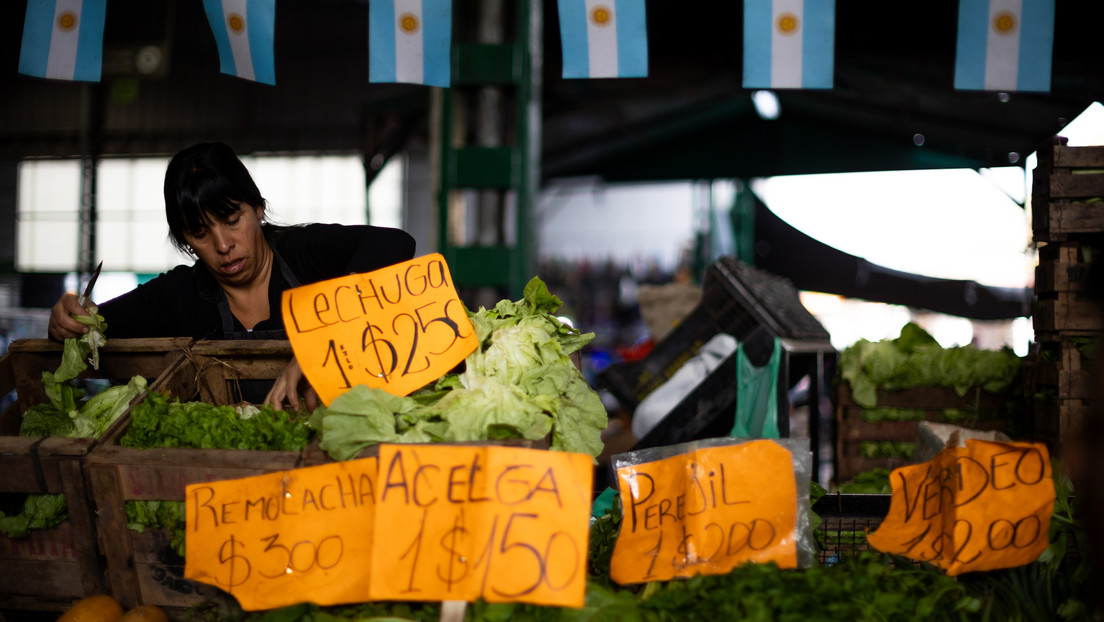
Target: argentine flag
244,32
63,39
789,44
604,38
410,41
1004,45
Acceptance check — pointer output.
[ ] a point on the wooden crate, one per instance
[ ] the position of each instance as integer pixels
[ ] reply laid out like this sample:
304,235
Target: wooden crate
1061,379
142,568
1066,315
995,412
1061,366
1067,266
52,568
737,299
1069,291
1068,183
1055,419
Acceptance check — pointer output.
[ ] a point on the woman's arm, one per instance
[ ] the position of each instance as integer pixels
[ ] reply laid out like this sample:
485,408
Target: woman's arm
170,305
62,325
287,388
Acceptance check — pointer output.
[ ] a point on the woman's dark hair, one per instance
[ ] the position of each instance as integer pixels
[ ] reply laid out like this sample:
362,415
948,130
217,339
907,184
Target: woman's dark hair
203,181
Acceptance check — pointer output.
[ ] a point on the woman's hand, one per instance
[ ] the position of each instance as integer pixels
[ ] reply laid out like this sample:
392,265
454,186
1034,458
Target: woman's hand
62,325
287,387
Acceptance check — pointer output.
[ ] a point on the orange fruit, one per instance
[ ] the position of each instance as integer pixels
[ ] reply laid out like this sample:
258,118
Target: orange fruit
97,608
144,613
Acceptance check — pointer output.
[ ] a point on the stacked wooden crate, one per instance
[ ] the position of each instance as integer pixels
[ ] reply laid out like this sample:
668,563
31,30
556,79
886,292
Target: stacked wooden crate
984,411
1067,208
142,567
49,569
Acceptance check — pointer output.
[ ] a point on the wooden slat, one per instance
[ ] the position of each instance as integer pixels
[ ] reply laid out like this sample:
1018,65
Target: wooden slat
927,398
41,545
19,471
1066,314
111,525
54,584
163,476
852,430
850,466
1078,157
81,522
159,345
1066,372
1064,267
238,349
1054,420
1073,218
1066,186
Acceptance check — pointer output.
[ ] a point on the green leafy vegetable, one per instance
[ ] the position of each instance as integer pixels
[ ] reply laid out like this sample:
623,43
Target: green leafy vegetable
67,413
915,359
166,515
161,421
519,383
874,481
94,339
886,449
40,511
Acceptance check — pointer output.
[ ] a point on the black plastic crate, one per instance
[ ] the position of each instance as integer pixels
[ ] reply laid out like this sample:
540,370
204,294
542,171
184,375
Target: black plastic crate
736,299
846,519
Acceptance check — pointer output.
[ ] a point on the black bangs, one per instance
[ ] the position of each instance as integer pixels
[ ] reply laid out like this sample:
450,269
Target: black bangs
206,196
203,182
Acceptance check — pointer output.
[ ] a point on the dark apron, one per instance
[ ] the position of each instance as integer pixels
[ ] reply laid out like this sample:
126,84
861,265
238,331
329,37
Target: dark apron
254,391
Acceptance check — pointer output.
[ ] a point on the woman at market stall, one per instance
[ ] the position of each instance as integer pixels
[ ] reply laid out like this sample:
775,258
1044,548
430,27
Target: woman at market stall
243,264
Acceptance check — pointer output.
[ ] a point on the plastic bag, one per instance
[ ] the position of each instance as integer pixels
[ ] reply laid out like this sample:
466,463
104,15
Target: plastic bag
659,403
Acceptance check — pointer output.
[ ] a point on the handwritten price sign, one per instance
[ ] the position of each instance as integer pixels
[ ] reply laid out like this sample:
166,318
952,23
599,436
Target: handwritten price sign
498,523
982,507
397,328
285,537
705,512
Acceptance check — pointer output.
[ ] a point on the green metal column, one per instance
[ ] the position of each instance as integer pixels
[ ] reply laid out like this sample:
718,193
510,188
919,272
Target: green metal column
743,222
496,171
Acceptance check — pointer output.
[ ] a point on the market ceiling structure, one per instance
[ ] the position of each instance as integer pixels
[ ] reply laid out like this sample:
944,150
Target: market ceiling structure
690,119
893,105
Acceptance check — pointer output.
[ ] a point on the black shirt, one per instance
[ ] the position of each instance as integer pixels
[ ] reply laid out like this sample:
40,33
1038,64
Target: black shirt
183,302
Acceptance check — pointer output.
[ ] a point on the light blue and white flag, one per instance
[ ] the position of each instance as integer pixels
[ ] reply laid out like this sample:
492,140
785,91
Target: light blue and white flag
63,39
789,44
410,41
604,38
245,34
1004,45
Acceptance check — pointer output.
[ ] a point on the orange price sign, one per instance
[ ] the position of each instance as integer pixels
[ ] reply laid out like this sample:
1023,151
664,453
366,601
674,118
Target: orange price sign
397,328
984,506
286,537
705,512
465,522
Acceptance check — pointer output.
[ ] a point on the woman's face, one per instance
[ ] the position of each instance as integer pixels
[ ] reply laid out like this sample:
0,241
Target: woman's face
234,250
